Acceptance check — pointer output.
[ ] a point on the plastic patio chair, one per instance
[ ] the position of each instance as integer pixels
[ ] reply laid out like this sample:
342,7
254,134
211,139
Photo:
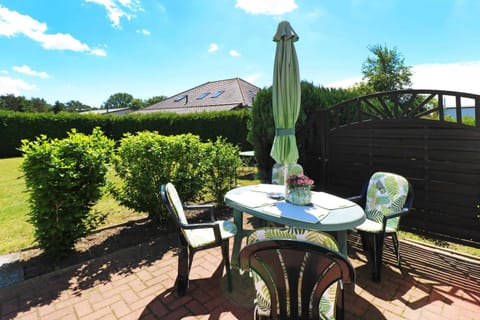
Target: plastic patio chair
298,271
194,237
278,172
386,197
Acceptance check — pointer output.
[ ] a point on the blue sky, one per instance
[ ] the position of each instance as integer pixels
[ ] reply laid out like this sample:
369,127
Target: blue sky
87,50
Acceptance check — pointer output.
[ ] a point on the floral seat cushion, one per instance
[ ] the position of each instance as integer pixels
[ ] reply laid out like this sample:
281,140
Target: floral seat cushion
386,194
327,303
198,237
201,237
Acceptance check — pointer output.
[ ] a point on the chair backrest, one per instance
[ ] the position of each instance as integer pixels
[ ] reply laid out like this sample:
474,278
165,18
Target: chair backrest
174,205
301,276
278,172
387,193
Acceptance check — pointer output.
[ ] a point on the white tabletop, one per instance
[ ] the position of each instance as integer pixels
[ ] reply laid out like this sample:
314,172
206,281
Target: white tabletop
326,213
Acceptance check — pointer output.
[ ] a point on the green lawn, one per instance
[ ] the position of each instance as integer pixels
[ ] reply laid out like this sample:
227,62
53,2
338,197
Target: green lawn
17,233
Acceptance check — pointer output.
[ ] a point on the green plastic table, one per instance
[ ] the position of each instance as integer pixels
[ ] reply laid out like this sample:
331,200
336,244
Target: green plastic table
326,213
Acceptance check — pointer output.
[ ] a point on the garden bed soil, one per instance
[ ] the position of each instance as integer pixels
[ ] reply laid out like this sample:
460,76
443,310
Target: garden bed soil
108,240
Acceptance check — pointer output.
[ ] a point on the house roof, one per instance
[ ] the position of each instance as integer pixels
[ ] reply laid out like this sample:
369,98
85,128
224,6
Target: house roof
117,111
219,95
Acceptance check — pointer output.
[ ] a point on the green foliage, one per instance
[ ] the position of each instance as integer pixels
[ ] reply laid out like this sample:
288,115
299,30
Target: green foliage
64,179
120,100
21,104
147,160
221,163
14,126
261,131
261,125
153,100
387,70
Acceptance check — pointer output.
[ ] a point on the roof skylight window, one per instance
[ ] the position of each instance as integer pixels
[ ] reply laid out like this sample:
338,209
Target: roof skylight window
203,95
218,93
180,98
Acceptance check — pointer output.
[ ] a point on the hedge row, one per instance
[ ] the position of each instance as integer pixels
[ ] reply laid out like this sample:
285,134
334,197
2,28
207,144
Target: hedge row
15,126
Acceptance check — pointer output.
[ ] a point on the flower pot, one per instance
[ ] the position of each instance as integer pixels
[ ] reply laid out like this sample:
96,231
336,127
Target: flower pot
299,196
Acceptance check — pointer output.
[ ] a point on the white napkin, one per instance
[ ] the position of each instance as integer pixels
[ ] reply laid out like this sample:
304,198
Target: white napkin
252,199
312,214
330,202
268,188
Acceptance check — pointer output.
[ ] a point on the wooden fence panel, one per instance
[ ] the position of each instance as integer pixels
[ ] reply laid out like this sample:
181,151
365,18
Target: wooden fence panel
441,159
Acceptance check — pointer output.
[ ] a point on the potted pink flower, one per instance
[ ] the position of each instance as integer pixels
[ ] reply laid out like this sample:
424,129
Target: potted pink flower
299,189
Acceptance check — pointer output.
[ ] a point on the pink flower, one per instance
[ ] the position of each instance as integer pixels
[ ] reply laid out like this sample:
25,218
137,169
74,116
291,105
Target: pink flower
299,181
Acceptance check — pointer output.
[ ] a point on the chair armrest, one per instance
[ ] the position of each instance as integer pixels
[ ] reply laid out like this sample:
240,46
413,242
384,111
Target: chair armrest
198,206
202,206
392,215
355,198
205,225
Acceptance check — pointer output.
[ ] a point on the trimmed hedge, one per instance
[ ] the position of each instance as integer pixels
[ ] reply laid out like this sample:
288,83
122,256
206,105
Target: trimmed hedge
65,178
147,160
16,126
262,128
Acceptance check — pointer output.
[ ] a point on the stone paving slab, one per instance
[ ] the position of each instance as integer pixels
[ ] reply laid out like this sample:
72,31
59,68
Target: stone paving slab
137,283
10,269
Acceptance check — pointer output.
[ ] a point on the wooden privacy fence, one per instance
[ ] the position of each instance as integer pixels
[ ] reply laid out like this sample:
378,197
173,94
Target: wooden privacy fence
407,132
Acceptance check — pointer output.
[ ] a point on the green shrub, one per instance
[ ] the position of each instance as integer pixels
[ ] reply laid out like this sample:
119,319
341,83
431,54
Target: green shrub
64,179
262,127
221,163
147,160
16,126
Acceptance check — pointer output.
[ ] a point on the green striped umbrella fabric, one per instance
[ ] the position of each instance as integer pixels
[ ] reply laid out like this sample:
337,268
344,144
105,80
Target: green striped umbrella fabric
286,96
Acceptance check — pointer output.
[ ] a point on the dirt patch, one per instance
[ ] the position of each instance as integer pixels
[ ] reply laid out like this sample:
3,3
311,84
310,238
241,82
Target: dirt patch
108,240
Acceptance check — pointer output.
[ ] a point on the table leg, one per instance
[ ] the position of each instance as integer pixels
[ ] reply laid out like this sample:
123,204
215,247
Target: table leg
342,241
237,240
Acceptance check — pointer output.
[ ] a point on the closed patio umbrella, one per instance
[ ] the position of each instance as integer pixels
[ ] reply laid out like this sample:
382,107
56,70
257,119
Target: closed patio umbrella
285,97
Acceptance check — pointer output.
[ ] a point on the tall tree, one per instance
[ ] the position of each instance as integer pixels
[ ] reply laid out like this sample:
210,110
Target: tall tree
38,105
386,71
76,106
153,100
58,107
12,102
120,100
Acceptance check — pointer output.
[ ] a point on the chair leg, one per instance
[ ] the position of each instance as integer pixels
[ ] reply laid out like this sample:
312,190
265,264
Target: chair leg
226,261
364,239
183,271
378,241
396,245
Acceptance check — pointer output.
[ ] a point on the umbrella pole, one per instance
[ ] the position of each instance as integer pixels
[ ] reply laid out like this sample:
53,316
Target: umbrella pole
285,177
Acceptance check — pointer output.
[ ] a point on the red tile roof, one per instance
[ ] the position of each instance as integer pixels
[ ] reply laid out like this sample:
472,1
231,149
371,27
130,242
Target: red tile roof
237,94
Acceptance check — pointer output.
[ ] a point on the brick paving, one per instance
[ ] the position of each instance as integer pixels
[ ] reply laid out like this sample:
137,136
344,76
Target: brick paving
136,283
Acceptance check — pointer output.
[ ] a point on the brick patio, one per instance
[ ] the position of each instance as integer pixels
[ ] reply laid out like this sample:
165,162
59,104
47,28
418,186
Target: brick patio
136,283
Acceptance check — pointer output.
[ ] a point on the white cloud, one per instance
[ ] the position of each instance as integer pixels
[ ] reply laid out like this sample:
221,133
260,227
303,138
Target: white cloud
14,86
252,78
213,47
234,53
344,83
28,71
460,76
145,32
267,7
116,10
13,23
99,52
4,71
